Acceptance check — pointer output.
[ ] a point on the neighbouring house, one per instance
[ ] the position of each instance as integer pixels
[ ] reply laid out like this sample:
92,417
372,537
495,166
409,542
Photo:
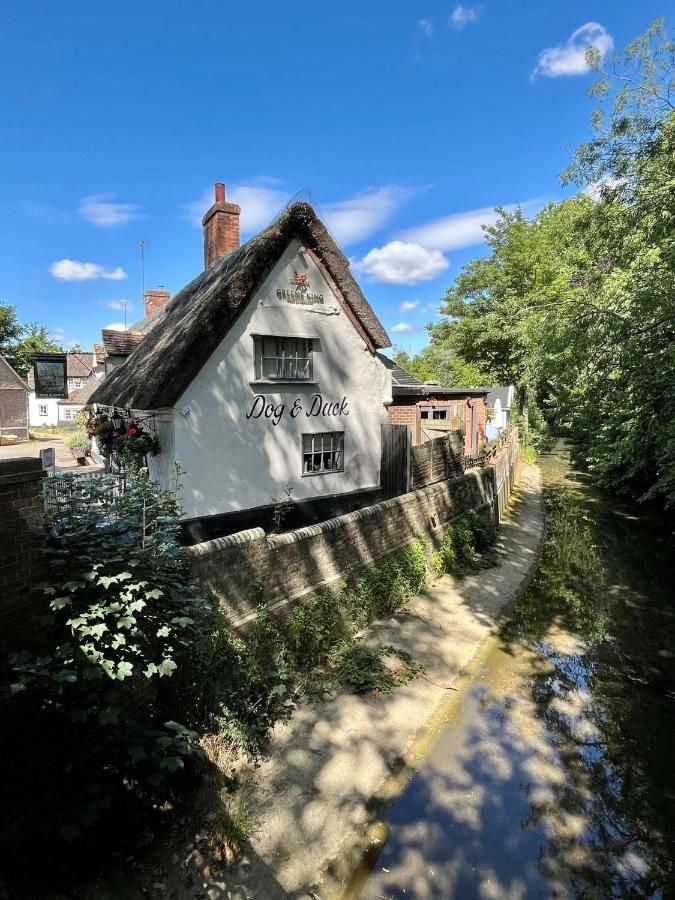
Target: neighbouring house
118,345
501,401
432,410
261,377
13,402
84,370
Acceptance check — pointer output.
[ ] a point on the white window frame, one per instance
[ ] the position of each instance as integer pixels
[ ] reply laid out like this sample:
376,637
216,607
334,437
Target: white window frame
43,409
68,413
322,447
290,356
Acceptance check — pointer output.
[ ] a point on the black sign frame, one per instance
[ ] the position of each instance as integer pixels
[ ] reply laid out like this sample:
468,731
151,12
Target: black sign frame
50,372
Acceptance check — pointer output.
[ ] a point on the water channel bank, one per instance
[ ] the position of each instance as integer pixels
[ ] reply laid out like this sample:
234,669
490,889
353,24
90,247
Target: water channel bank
313,795
551,774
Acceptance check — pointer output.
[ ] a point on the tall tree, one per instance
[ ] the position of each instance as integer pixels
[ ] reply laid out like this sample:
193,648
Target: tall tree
577,306
33,338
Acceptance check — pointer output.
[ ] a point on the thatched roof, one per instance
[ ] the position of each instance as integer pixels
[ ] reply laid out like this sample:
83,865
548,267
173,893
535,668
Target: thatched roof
196,320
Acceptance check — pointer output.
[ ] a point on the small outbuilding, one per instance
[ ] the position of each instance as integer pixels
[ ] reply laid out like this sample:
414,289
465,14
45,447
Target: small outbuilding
13,402
431,410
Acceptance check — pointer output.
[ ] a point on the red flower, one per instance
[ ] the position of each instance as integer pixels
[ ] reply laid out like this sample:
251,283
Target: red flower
133,431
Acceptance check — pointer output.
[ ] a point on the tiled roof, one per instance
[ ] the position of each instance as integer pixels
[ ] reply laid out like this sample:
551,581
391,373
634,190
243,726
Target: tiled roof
120,343
81,396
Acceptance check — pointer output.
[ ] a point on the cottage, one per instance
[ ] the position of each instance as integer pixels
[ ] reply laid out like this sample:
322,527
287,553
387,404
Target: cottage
431,410
13,402
84,370
261,377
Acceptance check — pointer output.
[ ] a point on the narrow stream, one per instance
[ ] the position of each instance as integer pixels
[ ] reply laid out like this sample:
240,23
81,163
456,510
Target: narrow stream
554,772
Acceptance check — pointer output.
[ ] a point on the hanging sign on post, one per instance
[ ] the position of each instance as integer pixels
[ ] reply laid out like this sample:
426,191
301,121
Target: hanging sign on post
50,373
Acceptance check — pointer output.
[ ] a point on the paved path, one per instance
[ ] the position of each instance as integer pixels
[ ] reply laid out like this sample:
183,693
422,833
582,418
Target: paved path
64,458
310,794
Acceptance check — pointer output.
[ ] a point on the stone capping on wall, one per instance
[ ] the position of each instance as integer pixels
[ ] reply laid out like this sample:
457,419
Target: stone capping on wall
276,541
230,540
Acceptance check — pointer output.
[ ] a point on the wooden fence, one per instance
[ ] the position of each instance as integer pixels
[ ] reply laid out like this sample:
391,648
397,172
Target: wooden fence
437,460
405,467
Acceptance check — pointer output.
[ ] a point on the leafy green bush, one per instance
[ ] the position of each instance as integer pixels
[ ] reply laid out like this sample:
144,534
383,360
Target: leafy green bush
121,618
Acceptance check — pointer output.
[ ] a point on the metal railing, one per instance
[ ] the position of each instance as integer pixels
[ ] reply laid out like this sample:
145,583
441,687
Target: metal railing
80,491
478,460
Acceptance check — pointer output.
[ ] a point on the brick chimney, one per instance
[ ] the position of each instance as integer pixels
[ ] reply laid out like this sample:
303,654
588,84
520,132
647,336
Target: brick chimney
155,300
221,229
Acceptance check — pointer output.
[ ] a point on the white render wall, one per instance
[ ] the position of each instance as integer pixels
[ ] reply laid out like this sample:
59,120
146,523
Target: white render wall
234,463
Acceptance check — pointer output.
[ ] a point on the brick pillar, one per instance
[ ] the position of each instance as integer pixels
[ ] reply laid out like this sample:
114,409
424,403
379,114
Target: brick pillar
22,564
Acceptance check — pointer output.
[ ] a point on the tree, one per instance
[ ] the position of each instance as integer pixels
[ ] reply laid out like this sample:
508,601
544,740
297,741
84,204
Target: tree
9,326
577,306
31,338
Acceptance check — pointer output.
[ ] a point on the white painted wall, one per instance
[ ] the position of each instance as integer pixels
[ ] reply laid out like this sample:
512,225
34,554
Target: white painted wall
35,417
235,463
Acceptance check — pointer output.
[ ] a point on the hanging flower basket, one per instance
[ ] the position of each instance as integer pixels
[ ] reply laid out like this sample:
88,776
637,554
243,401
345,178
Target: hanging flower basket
122,437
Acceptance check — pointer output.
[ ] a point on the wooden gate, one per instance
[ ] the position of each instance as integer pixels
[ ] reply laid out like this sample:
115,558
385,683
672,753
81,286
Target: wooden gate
395,462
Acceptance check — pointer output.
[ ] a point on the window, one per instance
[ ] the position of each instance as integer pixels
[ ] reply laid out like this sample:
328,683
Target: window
323,452
68,413
283,359
75,383
431,413
42,409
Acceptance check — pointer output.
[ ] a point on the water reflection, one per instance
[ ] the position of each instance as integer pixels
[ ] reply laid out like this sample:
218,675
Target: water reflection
559,778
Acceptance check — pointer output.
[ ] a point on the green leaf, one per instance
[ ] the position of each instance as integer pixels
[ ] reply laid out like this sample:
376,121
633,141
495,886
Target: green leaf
61,602
107,580
164,631
166,667
124,670
154,594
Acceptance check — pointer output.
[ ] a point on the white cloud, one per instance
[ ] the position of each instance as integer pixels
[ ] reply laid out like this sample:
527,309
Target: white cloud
351,220
570,58
117,304
405,328
461,16
361,216
260,199
596,189
116,326
408,306
71,270
99,209
58,335
401,263
426,26
460,229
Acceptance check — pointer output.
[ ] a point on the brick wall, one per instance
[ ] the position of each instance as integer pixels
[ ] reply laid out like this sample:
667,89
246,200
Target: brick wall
230,570
22,564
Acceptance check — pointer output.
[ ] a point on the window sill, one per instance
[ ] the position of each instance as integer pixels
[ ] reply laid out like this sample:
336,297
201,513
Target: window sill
284,382
327,472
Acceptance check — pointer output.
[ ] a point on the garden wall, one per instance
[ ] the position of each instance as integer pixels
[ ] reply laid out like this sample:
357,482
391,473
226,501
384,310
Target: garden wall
242,569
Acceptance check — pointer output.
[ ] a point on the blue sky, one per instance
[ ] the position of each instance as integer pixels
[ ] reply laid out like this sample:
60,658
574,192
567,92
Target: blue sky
404,124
